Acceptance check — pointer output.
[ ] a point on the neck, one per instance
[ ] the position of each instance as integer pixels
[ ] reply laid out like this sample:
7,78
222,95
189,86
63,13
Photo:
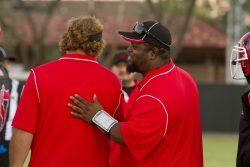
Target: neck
156,65
78,51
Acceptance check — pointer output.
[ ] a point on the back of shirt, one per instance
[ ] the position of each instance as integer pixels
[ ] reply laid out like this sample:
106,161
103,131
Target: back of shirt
60,139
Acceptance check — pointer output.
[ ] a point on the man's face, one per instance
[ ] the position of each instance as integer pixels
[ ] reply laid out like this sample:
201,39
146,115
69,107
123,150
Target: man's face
6,64
120,69
138,57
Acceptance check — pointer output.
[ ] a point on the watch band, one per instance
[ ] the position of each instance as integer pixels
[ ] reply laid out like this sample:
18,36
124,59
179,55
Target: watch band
104,120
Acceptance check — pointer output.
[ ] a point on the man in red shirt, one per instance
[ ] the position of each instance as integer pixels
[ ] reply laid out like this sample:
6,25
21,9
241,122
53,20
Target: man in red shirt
162,128
43,122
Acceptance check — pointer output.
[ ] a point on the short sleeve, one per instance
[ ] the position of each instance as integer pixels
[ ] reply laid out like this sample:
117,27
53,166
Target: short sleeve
146,126
28,107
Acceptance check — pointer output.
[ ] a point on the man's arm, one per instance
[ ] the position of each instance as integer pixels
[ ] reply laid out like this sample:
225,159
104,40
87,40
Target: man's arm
115,134
85,110
19,147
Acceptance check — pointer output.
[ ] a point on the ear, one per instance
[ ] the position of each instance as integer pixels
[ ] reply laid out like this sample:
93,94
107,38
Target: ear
154,53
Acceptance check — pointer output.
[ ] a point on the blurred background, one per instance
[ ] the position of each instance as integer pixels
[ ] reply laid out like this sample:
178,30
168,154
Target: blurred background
204,32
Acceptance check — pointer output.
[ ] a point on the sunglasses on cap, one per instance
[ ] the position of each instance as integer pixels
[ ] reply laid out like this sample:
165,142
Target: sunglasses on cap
140,29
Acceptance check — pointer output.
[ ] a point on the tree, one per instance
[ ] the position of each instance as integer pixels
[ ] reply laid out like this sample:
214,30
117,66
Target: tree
38,46
119,17
180,8
29,13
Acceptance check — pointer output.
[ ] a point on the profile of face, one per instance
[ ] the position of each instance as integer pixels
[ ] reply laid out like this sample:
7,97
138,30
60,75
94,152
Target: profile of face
6,64
138,60
120,69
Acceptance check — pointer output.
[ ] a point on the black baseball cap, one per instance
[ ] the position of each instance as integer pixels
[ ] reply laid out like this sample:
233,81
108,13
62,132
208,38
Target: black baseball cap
121,56
151,32
4,56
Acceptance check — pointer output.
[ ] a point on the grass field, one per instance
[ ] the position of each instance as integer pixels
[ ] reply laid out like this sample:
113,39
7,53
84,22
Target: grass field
219,150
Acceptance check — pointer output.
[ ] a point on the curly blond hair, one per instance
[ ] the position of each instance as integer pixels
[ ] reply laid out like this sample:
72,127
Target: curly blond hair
76,38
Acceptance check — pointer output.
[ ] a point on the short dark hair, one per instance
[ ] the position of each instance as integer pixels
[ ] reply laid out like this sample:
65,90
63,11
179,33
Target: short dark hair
163,52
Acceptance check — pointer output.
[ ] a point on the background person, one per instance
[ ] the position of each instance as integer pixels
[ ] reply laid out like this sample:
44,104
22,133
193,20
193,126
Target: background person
43,121
240,58
162,127
15,90
119,67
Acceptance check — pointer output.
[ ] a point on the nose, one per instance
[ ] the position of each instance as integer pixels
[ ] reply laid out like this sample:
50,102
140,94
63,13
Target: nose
124,67
129,49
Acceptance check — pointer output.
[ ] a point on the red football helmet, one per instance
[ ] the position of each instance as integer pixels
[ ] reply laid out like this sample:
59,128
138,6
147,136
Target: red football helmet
240,58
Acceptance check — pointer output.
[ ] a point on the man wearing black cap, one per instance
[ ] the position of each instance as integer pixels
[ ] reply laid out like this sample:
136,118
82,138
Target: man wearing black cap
162,128
16,88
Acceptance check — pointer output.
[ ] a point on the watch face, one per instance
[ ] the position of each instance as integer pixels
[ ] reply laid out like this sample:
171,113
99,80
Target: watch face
104,120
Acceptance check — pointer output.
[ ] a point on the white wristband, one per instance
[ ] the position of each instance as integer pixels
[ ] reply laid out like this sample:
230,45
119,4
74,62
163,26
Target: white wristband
104,120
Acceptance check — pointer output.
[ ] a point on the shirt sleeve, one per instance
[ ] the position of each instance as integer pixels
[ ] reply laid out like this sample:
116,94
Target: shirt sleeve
146,126
28,108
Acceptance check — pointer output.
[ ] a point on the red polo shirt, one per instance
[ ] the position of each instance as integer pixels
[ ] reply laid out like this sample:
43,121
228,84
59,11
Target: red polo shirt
163,127
115,148
61,140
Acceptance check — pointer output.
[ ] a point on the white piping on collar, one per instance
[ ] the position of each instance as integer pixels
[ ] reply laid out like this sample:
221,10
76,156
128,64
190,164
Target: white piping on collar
157,76
69,58
38,95
163,108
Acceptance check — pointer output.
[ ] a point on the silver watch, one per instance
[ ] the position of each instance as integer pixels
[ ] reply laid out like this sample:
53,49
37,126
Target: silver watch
104,120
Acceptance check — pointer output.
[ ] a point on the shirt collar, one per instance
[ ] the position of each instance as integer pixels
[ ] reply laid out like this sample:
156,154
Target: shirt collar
77,56
156,73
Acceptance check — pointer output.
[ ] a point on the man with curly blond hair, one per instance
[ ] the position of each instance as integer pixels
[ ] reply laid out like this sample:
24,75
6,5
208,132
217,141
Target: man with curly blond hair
43,122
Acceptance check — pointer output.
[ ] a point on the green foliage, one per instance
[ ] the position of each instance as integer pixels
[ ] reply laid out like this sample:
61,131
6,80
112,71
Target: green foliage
202,12
219,22
246,6
176,7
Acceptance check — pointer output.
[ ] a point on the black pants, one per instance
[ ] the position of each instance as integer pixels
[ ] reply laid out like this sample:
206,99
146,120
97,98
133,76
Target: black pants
4,158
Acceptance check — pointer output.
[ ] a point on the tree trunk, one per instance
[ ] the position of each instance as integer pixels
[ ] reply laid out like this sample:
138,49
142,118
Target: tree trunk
119,19
38,37
183,30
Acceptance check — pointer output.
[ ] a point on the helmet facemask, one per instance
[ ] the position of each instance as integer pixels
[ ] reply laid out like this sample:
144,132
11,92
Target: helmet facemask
240,58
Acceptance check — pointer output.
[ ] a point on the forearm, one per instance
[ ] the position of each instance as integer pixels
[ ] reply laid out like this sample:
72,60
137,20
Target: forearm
115,134
19,147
